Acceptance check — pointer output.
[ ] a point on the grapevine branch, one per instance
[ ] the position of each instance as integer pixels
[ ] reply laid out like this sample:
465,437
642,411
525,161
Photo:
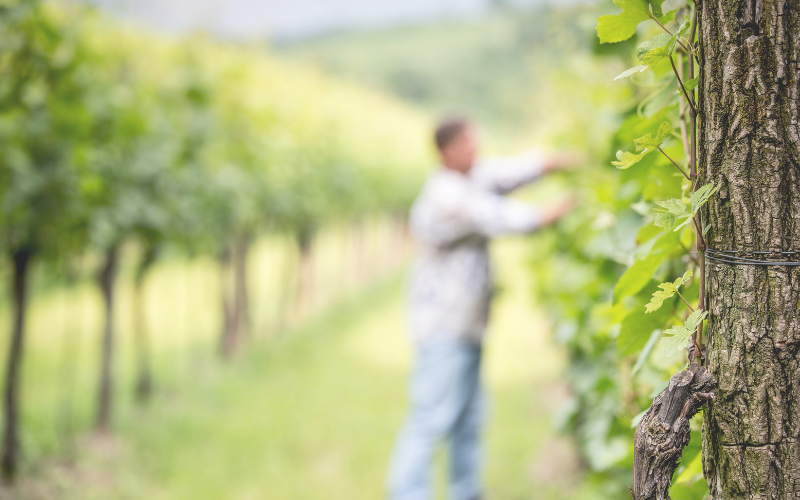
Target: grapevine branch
701,244
676,165
685,301
685,93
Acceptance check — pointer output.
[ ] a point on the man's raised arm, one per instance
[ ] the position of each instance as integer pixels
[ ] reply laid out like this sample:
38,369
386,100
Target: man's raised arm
502,175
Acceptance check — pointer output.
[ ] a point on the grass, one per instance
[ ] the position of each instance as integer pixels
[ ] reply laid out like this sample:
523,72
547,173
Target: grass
313,415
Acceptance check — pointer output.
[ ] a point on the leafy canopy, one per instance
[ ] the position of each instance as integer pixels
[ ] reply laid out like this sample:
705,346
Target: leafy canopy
668,289
677,337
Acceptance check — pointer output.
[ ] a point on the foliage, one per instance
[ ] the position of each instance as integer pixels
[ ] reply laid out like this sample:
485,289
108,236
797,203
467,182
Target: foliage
621,279
120,134
111,135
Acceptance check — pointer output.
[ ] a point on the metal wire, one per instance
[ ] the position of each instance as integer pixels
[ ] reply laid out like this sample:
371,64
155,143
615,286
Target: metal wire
731,257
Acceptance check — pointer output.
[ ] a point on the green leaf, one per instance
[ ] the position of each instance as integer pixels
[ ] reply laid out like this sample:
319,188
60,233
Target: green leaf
626,159
619,27
702,195
705,230
648,143
677,337
689,84
645,144
668,289
656,6
640,273
668,17
667,220
674,206
678,208
652,51
661,46
629,72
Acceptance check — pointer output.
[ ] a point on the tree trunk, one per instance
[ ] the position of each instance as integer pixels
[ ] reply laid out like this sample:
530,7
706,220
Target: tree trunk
304,292
105,393
144,371
227,341
750,146
241,298
235,300
11,444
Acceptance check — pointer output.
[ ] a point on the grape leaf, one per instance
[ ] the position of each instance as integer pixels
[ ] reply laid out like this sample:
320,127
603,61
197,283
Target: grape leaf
661,46
618,27
677,337
645,144
668,289
653,51
674,206
702,195
689,84
656,6
627,159
667,220
649,143
677,208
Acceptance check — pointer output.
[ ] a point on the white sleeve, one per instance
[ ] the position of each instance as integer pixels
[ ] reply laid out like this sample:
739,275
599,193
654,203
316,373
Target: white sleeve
505,174
445,220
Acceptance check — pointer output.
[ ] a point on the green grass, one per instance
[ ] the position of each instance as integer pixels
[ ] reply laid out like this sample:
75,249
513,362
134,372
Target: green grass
313,414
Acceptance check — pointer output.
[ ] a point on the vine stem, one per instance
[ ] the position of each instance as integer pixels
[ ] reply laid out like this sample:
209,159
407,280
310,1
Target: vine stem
683,107
676,165
688,98
685,301
701,301
701,242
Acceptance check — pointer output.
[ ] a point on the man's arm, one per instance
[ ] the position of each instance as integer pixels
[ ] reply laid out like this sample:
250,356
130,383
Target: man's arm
481,214
505,174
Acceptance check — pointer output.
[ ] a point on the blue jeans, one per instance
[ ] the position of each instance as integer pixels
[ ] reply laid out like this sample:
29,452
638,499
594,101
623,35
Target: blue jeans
446,405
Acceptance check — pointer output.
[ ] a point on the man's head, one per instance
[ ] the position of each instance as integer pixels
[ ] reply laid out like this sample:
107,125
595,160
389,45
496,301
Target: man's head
457,140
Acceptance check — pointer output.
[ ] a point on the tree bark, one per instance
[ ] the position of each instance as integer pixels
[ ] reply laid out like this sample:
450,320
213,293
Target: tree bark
750,146
11,442
106,389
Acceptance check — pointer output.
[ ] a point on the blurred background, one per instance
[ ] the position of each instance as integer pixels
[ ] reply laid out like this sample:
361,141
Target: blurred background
202,218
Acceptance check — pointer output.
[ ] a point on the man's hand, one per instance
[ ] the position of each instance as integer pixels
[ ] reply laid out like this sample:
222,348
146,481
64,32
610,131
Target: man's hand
557,210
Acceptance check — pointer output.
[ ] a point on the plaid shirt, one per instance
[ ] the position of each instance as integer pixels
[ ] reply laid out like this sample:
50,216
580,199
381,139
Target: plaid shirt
453,219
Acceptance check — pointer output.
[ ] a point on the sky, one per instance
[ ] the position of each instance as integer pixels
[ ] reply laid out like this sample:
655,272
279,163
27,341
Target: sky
282,19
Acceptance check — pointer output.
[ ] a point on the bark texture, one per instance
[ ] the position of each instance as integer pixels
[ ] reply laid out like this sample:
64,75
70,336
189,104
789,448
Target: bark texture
664,432
750,146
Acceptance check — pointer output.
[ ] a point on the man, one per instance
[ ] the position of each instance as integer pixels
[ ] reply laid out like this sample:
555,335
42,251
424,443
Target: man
460,208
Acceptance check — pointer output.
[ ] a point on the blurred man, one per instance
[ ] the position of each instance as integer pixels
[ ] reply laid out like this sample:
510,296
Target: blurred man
461,207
